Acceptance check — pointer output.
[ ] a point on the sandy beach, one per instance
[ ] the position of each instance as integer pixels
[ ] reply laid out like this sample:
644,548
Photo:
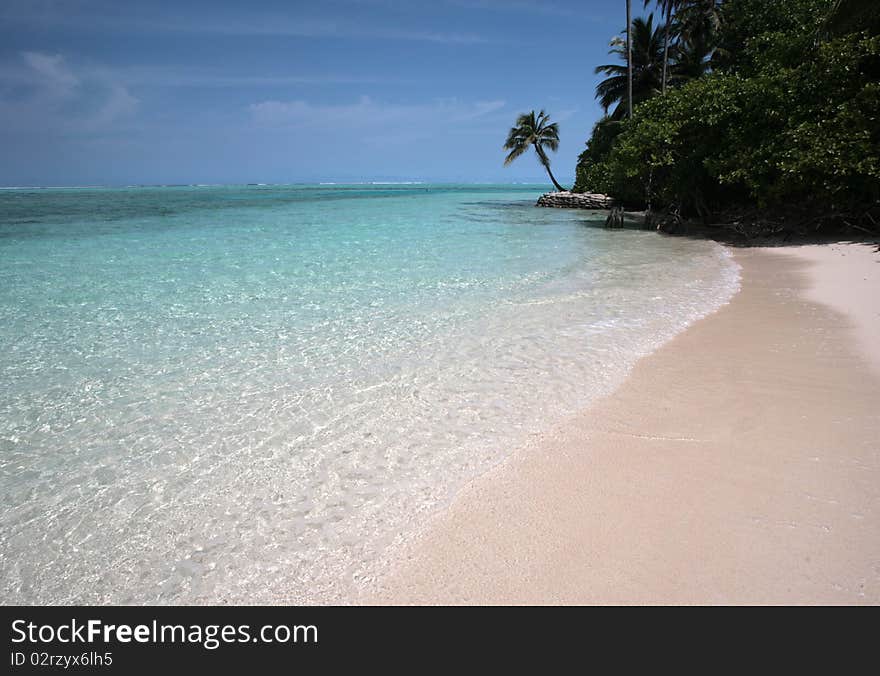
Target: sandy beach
740,463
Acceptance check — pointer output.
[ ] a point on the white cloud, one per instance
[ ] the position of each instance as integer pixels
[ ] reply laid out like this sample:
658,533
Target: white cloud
519,6
280,26
119,103
367,123
182,76
143,19
50,72
41,91
367,113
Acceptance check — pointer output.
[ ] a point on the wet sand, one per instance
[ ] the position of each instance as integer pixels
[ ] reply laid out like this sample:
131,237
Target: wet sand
740,463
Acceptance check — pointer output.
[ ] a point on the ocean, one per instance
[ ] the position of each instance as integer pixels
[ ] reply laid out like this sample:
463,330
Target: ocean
251,394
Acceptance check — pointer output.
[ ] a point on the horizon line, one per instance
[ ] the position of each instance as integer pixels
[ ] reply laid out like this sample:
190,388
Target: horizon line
255,184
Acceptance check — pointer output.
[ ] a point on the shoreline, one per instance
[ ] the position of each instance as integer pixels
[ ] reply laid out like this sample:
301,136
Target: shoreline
739,463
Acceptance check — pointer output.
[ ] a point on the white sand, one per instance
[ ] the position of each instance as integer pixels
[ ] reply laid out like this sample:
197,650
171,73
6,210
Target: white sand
740,463
846,277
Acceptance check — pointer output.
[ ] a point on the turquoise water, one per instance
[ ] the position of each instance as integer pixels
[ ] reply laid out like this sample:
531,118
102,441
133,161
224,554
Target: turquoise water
247,394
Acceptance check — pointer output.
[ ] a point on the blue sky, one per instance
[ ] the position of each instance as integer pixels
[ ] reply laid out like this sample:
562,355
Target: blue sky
118,92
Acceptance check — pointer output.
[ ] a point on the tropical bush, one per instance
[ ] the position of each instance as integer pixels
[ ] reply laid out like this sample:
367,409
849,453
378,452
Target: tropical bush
783,118
592,162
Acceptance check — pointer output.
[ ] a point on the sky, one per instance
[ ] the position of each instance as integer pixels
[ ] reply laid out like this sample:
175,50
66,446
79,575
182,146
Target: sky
112,92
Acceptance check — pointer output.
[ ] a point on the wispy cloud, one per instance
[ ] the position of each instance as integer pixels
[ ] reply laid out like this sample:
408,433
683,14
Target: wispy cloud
101,17
119,103
167,76
50,73
529,6
574,14
41,91
284,27
370,123
368,113
520,6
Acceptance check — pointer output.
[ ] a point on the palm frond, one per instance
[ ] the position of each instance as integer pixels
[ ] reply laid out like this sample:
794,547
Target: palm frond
533,130
513,154
647,57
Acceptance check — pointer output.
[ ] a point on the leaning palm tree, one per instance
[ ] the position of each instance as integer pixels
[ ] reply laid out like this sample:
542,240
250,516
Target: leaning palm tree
532,130
647,65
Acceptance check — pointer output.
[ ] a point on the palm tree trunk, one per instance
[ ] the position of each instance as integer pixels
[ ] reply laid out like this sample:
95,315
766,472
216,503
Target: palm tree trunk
629,61
546,162
666,48
552,178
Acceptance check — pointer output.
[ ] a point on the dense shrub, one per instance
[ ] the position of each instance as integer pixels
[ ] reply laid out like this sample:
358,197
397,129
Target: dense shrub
599,146
787,119
758,34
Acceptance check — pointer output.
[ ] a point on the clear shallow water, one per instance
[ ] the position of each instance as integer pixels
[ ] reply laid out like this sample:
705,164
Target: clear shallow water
244,394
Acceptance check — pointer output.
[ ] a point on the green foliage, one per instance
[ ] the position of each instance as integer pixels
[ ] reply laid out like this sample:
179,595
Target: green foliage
599,146
760,35
848,16
788,119
676,49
